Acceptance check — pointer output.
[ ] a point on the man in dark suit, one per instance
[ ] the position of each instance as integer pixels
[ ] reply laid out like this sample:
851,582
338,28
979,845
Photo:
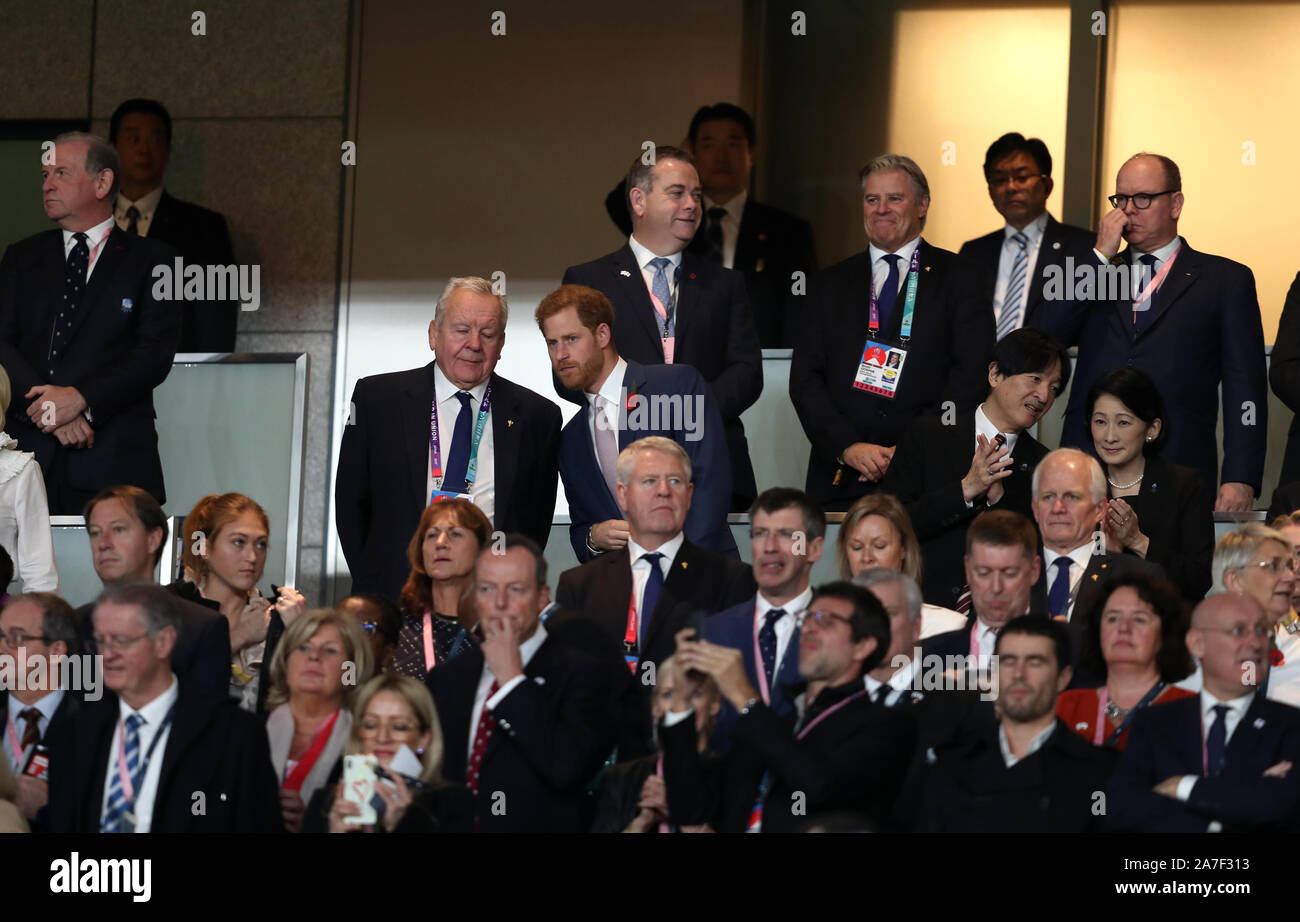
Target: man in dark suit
525,720
644,593
127,528
1193,325
1224,760
671,306
141,130
38,630
1031,773
1032,246
625,401
942,491
1284,378
838,752
82,335
497,442
900,294
200,763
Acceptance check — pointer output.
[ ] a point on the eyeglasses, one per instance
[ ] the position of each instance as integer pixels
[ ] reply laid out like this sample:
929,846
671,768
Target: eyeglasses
998,180
821,617
1274,566
783,535
117,641
1238,631
369,627
1141,201
17,638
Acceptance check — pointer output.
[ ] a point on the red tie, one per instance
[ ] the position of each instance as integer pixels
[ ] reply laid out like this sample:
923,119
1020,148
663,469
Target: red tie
486,724
32,732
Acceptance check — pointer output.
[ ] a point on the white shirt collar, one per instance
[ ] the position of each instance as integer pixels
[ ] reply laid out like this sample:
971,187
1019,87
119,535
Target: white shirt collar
1035,744
529,647
1080,555
1238,706
612,389
669,549
145,204
445,390
95,236
153,712
1161,254
905,251
643,255
1033,230
989,431
46,704
794,606
735,206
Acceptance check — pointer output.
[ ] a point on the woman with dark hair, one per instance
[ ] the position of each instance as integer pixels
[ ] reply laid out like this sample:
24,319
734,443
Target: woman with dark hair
435,622
1157,510
1135,644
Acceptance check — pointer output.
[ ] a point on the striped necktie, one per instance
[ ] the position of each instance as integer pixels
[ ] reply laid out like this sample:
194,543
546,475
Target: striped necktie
1009,319
116,809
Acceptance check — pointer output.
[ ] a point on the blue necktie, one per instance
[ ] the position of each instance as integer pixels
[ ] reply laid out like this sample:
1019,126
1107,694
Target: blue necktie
659,284
453,478
1142,317
650,598
115,811
888,291
1058,598
1009,319
767,643
1216,741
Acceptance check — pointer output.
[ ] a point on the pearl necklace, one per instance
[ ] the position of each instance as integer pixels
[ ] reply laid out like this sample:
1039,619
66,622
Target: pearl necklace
1125,486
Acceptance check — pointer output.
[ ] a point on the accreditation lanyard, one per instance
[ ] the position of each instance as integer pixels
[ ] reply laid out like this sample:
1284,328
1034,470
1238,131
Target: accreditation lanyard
909,300
630,645
430,656
435,451
1099,734
1154,284
15,744
759,671
130,781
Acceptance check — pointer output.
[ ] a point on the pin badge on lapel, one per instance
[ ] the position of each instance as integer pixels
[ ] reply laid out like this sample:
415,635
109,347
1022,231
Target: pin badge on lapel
1094,576
683,565
127,305
540,680
692,275
1259,723
758,266
509,423
1056,245
625,273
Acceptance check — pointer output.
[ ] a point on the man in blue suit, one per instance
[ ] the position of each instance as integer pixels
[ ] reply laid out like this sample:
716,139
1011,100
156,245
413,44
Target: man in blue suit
786,533
626,401
1194,325
1225,759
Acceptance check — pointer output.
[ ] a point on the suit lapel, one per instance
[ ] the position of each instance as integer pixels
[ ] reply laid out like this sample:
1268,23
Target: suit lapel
1181,275
634,382
162,216
1046,254
1123,304
787,671
415,428
1243,757
54,271
678,587
925,285
614,593
506,439
746,241
628,277
689,294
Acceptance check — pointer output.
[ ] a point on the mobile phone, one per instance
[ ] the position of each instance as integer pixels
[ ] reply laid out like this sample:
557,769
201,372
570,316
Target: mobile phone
695,621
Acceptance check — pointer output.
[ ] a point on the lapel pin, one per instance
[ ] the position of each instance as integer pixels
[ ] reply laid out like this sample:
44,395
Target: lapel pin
127,304
692,275
539,680
1057,246
625,273
1259,723
683,565
758,266
509,423
1081,725
927,268
1094,576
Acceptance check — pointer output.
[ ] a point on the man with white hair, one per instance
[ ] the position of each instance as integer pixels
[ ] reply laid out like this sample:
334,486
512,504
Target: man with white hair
451,428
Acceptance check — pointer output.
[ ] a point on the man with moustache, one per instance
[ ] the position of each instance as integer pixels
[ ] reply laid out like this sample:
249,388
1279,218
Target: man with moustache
625,401
901,296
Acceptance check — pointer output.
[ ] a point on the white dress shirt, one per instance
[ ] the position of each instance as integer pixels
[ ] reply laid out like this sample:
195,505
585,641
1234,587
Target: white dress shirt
880,267
95,238
1079,558
527,650
47,705
153,714
146,204
25,518
1237,709
641,570
986,638
730,225
1035,744
900,683
1162,255
785,625
1007,261
610,400
643,257
483,491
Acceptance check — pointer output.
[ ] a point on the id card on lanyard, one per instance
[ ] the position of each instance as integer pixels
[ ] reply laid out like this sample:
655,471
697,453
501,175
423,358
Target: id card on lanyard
131,781
881,367
435,450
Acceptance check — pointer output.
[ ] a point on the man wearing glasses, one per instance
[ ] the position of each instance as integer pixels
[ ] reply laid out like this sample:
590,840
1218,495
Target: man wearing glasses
1191,321
1020,254
1225,759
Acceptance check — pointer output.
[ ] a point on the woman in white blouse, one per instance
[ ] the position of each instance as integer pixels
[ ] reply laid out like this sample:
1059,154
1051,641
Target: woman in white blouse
24,511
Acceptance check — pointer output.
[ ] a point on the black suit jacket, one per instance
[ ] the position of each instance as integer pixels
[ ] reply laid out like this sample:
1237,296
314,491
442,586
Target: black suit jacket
1284,376
970,789
947,360
1166,741
926,475
699,580
120,348
715,334
383,470
1205,330
213,749
1177,513
1060,241
552,734
202,238
55,740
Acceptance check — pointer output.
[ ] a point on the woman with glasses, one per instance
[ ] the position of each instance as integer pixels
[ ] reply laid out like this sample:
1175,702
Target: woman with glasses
1160,511
1135,644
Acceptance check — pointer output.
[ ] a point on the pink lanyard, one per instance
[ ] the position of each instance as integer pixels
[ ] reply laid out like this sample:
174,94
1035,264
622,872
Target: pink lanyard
1156,279
828,712
429,659
974,643
15,744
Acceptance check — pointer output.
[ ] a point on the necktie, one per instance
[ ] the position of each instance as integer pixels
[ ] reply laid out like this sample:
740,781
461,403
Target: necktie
713,235
1009,319
767,643
486,724
115,811
1142,316
659,284
1216,741
1058,597
607,443
74,282
133,220
32,732
650,598
663,306
888,291
453,480
882,693
963,600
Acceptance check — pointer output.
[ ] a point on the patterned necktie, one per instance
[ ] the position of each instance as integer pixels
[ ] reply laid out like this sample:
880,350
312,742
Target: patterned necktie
116,809
888,291
1142,315
1216,741
713,235
486,724
453,480
663,306
133,220
650,598
1058,597
32,732
74,283
607,443
767,643
1009,319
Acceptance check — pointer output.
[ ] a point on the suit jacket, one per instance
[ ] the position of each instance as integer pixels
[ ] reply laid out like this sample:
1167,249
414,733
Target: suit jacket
735,628
383,470
1175,509
699,580
202,652
1205,330
202,238
590,501
1166,740
120,348
715,334
1284,376
552,733
213,749
926,475
55,740
947,360
970,789
854,761
1060,241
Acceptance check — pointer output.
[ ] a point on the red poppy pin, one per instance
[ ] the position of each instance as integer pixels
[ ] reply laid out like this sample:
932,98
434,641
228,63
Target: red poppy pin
1275,657
631,398
692,275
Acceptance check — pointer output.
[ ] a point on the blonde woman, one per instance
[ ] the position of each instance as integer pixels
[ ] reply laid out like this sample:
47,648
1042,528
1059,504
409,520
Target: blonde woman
24,511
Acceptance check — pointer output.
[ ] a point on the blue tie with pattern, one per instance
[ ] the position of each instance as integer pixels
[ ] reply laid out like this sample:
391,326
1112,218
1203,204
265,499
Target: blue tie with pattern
116,809
767,644
453,478
659,284
888,291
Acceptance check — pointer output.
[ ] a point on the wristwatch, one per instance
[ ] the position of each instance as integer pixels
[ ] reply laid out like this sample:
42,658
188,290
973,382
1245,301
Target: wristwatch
595,550
748,706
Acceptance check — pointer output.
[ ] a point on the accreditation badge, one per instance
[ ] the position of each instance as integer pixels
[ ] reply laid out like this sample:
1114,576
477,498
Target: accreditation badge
881,368
438,496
